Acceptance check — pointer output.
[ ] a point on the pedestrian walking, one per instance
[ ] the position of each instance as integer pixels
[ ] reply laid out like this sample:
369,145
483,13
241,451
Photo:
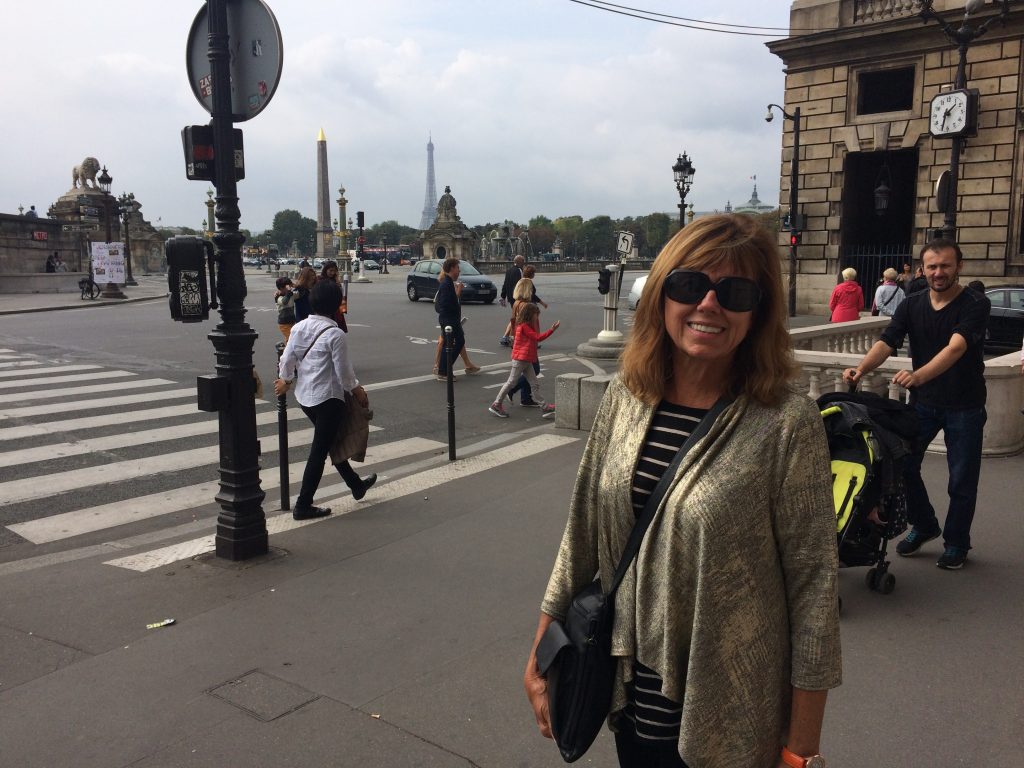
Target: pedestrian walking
524,357
726,626
847,299
449,312
888,295
524,293
512,277
304,283
946,325
471,369
316,357
285,300
329,273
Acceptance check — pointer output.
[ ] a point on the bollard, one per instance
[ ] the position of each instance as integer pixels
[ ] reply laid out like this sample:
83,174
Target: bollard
282,436
449,345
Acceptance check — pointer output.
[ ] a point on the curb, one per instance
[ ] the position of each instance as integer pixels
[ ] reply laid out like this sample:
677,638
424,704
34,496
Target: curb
84,305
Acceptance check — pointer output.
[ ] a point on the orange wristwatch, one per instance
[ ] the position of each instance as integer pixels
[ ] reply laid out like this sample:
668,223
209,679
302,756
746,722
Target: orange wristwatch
796,761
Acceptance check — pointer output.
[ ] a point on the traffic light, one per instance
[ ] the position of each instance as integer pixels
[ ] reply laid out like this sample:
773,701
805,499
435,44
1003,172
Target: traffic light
785,221
359,219
794,238
604,281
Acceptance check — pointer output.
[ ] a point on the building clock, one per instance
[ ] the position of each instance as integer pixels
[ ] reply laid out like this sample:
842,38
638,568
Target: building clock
954,114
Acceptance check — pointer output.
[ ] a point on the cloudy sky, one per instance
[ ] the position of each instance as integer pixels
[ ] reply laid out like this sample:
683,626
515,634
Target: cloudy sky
535,106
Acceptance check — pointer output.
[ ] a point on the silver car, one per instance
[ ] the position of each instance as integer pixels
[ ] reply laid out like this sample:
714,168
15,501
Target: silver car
636,291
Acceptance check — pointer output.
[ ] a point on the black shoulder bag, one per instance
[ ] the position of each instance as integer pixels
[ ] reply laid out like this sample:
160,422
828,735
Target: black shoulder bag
575,656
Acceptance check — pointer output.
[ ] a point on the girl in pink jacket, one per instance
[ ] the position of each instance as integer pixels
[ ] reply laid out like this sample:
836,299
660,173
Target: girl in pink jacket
524,355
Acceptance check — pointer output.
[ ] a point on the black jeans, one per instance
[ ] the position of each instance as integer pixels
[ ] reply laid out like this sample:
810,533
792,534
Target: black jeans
326,418
634,753
458,337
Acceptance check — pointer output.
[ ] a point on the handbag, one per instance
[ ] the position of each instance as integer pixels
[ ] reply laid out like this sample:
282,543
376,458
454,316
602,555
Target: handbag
575,655
353,434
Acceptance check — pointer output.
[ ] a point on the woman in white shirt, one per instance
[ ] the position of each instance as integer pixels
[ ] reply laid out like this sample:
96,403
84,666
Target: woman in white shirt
317,356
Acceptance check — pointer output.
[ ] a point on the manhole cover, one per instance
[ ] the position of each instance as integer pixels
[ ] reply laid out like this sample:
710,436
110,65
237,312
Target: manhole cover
263,696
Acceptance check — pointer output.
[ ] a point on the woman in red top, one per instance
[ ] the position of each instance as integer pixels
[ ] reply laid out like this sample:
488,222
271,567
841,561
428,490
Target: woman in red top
524,355
847,298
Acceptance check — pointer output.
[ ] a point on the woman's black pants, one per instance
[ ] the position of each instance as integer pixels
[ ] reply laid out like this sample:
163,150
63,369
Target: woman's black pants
636,753
326,418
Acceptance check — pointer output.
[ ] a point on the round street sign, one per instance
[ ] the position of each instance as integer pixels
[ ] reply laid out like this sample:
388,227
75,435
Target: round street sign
254,39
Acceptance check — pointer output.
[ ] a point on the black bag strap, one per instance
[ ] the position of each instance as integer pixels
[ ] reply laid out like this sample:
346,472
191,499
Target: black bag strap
654,500
891,296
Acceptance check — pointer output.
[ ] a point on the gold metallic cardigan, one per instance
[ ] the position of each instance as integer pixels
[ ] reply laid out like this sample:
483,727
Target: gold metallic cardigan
733,596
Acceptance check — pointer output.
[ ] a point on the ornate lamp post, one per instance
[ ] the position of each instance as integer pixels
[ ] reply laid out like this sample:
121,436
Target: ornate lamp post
384,244
794,217
683,171
126,206
961,39
110,290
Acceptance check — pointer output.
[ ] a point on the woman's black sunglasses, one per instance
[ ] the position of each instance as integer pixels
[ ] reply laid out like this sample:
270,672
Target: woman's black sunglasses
736,294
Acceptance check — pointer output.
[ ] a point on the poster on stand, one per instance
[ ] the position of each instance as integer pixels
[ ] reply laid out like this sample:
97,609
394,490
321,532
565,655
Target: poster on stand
108,263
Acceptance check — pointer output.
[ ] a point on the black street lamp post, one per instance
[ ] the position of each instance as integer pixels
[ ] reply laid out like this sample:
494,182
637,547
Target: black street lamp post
962,39
384,244
794,217
110,290
241,525
683,171
126,207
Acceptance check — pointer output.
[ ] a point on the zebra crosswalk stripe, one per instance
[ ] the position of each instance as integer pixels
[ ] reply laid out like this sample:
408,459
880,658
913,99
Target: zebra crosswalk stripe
64,379
45,429
120,386
105,402
412,484
69,524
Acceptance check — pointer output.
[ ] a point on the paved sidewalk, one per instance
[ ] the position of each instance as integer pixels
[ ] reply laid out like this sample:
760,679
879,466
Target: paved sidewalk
150,287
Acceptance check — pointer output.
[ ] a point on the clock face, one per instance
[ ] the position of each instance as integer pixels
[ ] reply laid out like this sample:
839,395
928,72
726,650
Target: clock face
948,114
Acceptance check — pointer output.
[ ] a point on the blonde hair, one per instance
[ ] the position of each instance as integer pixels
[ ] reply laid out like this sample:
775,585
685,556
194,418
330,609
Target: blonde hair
523,290
849,273
306,278
763,362
890,274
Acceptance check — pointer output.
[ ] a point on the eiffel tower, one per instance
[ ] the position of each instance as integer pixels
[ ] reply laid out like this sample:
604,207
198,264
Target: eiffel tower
430,198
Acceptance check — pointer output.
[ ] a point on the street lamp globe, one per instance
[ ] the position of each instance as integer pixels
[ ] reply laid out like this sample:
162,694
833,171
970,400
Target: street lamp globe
683,171
105,180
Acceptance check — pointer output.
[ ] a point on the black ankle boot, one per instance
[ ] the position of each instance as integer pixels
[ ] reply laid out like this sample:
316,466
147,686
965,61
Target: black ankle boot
358,485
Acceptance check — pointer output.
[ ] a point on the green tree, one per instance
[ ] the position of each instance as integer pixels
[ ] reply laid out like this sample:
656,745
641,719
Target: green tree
566,228
657,227
395,233
770,220
291,226
598,236
542,237
539,221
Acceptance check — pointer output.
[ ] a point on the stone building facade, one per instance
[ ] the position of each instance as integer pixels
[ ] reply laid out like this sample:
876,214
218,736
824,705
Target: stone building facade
863,73
448,235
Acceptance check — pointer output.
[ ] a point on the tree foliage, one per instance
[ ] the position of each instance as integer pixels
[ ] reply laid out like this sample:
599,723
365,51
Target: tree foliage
289,227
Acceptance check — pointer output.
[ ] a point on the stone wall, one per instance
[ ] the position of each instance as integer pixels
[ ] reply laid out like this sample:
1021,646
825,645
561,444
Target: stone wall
26,242
822,79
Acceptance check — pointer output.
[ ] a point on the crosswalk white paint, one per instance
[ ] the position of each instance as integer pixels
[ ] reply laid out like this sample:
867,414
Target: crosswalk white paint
32,488
104,402
47,380
14,369
64,426
97,518
416,483
120,386
127,440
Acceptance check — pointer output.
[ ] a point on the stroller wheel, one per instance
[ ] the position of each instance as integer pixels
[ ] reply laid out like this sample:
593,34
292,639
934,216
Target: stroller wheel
886,583
871,579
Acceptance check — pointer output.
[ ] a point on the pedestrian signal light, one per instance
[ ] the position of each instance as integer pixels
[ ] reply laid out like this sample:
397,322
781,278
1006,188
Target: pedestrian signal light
794,238
186,278
604,281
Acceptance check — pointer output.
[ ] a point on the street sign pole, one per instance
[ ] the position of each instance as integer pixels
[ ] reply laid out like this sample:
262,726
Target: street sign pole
241,525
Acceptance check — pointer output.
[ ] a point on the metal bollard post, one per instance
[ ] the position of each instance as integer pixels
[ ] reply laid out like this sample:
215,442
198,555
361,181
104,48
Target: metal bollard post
449,345
282,437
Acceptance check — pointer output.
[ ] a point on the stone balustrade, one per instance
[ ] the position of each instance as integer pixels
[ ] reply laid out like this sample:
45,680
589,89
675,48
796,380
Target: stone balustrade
869,11
823,353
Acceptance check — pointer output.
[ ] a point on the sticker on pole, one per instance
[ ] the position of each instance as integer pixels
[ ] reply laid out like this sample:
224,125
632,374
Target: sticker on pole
257,55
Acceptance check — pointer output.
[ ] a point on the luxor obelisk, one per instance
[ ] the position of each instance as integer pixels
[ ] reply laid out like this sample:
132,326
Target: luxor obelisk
324,231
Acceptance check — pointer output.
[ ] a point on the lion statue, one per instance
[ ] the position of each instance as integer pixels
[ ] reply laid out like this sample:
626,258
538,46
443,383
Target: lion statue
84,173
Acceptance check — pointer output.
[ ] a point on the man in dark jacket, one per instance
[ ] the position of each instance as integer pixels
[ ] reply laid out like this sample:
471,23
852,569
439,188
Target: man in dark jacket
449,312
512,276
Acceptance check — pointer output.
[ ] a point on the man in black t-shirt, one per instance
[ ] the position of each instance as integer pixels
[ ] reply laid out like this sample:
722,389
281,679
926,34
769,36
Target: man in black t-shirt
946,325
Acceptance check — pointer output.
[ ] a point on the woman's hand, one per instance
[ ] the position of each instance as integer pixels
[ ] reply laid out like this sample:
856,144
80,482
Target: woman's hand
280,387
360,395
535,684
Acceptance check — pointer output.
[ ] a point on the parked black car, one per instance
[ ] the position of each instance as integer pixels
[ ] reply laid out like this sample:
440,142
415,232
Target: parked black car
421,282
1006,323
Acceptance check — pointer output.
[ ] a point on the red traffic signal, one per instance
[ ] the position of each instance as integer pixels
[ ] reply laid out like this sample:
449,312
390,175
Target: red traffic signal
794,238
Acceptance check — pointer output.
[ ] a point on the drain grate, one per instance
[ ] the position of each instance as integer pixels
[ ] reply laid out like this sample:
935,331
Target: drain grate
263,696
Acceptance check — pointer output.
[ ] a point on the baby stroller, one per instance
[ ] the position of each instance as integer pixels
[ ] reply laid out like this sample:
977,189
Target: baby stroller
868,439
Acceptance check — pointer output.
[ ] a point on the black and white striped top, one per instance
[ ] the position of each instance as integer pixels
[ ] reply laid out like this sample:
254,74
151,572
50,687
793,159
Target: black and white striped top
655,717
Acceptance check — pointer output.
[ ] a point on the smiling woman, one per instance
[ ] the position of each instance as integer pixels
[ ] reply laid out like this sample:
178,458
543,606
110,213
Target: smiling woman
740,556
